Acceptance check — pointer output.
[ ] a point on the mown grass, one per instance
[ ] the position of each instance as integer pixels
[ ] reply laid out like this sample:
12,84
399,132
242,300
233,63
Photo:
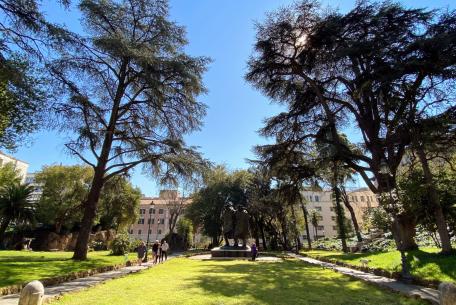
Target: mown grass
17,267
193,282
425,263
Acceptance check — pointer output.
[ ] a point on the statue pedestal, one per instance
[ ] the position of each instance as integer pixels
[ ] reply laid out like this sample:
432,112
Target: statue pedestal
231,252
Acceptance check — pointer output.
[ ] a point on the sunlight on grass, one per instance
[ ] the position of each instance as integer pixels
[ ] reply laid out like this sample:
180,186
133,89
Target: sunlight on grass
18,267
185,281
425,263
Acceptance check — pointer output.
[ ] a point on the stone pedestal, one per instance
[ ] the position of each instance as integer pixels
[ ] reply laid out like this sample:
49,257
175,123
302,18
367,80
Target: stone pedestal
231,252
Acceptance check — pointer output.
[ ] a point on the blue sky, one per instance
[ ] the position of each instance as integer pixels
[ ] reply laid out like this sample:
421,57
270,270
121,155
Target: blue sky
223,31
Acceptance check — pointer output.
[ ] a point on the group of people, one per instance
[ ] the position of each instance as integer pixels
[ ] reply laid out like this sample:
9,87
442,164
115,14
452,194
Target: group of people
159,252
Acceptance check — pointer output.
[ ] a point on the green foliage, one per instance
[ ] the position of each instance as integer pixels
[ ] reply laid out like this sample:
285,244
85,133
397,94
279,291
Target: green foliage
119,204
9,175
134,244
15,206
413,191
184,228
22,101
208,202
138,115
377,219
64,190
121,244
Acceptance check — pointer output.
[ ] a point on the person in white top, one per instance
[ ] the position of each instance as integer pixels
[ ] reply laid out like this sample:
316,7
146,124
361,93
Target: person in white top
164,250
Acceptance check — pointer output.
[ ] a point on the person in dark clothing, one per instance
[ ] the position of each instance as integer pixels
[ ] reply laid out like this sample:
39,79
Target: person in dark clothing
141,250
155,247
254,252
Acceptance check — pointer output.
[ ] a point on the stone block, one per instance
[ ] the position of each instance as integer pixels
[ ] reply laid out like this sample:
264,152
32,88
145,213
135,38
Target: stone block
447,294
32,294
231,252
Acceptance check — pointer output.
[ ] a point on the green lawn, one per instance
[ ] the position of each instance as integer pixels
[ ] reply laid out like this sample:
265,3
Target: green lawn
186,281
425,263
17,267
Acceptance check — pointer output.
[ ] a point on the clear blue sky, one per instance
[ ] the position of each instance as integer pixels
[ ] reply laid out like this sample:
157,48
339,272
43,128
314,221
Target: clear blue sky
224,31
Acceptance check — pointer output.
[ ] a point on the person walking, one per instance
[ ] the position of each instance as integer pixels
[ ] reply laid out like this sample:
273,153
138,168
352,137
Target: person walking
155,251
254,252
164,250
141,250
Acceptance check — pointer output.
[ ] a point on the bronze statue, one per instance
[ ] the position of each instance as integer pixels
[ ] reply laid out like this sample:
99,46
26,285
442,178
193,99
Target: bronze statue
241,228
228,222
235,224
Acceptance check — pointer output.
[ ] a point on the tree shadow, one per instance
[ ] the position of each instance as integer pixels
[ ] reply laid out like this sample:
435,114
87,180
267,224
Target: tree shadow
287,282
430,264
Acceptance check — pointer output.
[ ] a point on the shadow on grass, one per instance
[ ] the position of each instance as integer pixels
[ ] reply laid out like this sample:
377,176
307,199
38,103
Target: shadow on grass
429,264
289,282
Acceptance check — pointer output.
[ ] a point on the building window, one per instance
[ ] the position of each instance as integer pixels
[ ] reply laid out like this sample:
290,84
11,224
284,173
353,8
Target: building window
141,221
142,211
310,198
139,232
320,228
150,221
161,221
317,198
131,231
159,231
362,198
332,209
333,218
160,211
151,211
318,209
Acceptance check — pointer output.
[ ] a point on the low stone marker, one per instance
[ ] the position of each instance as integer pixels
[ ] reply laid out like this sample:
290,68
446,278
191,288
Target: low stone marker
447,294
32,294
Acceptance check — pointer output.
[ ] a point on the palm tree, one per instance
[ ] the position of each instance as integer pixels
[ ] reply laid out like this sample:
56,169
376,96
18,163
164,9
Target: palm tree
314,219
15,205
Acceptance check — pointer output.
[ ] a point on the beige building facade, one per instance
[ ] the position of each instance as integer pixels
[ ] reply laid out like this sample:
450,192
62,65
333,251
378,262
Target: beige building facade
322,201
19,165
155,215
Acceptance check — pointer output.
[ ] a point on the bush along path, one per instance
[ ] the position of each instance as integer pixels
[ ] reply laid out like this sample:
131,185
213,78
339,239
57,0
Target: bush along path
56,291
428,294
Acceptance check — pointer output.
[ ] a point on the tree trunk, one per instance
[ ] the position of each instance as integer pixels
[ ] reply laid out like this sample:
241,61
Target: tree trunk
283,223
3,227
90,212
295,229
260,225
306,223
339,209
435,202
352,216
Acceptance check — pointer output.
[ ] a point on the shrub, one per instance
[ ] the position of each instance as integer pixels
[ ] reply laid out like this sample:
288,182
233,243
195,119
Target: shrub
120,245
135,244
97,245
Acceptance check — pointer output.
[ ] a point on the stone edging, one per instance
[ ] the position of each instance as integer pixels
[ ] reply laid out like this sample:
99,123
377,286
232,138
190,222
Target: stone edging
434,284
12,289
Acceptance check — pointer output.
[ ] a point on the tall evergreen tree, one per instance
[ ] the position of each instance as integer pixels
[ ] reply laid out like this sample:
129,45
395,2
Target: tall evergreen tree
377,67
131,92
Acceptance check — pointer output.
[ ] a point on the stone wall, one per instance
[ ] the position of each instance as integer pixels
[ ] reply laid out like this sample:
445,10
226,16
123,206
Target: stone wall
48,241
